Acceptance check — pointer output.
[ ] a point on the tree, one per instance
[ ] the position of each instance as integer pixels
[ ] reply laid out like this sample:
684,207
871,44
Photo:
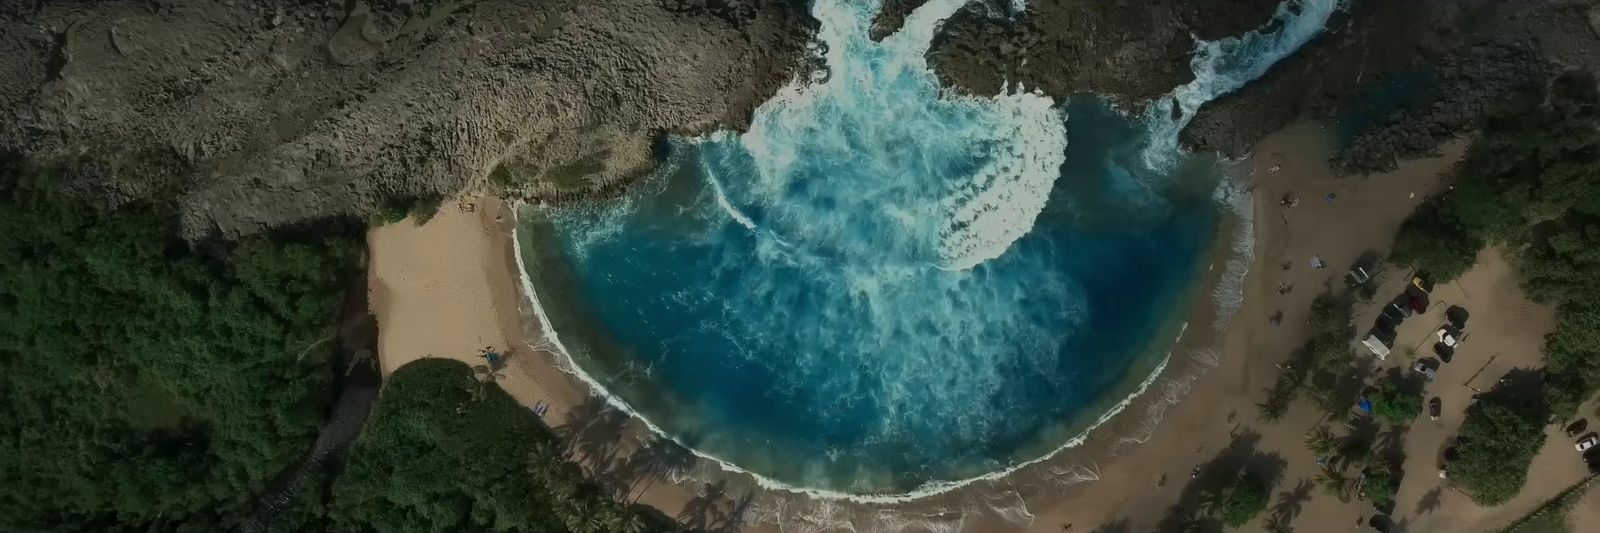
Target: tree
1433,241
1393,405
147,382
1321,442
438,455
1379,484
1335,482
1500,436
1244,497
1281,394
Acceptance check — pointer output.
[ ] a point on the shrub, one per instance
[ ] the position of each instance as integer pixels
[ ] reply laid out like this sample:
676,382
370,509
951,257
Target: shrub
1500,436
1393,405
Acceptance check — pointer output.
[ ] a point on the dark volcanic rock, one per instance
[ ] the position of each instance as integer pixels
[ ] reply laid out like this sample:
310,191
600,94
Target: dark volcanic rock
1130,50
265,113
1463,58
892,16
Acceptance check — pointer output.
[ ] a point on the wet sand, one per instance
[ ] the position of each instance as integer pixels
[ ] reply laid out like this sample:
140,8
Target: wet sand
450,287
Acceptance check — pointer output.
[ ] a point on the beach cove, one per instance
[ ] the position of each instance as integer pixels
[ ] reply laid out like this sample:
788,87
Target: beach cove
451,305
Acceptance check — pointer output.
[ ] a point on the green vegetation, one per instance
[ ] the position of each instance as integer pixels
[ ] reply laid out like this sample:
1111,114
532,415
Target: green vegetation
443,453
1431,240
149,383
1379,484
570,176
1552,516
1281,395
504,177
1240,500
420,208
1531,182
1498,439
1323,367
1393,405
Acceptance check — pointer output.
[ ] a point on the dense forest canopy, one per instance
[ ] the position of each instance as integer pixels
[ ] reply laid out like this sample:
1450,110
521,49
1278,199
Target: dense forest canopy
145,382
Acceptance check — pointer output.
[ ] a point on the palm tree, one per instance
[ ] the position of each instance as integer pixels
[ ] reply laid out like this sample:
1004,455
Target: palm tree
1274,407
1334,480
485,375
1321,442
1356,453
1211,502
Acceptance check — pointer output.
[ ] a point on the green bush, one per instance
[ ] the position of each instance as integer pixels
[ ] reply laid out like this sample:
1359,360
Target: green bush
1244,497
1379,484
1393,405
1434,242
1501,434
423,209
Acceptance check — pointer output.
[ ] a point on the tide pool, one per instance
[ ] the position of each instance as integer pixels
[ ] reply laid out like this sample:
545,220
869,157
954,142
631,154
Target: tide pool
882,286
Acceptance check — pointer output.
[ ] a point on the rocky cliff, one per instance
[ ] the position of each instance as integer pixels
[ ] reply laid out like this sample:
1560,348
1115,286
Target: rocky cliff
255,114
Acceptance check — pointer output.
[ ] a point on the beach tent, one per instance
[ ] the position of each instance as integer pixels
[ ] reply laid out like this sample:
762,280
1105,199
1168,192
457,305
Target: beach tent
1376,345
1365,405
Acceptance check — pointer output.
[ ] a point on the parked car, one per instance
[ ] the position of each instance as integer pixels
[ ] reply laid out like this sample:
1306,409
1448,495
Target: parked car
1426,366
1577,427
1435,406
1588,441
1401,307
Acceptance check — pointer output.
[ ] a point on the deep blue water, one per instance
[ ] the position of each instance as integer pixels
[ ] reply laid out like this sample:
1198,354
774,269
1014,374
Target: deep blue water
880,286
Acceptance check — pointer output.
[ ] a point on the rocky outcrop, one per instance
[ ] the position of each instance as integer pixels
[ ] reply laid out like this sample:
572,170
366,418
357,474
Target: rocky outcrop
265,113
1394,79
1130,51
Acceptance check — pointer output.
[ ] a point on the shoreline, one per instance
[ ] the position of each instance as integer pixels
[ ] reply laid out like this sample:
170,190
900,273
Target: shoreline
1198,377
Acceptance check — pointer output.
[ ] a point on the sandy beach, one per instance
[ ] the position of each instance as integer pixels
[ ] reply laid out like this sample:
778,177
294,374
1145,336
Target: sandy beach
449,288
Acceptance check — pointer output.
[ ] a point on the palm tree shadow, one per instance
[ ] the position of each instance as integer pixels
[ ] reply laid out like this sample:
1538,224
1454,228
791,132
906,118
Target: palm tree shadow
1291,502
712,511
591,434
657,460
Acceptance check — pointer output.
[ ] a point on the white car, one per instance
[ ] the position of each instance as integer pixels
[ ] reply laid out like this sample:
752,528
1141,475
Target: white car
1588,441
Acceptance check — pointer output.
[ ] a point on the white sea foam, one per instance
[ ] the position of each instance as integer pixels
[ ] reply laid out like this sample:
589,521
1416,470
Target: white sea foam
1234,192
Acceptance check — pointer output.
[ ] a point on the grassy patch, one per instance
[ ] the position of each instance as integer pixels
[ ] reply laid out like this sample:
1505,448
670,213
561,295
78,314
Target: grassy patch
573,175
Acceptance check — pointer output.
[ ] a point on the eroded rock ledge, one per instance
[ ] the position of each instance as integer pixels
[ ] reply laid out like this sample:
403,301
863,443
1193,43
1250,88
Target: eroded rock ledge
1130,50
261,114
1395,77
